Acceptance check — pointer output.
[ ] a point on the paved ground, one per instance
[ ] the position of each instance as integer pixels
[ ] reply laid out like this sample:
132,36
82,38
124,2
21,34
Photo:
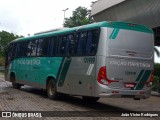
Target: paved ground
30,99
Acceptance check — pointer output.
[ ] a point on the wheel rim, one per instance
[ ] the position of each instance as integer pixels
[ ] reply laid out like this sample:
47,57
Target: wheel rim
13,80
51,89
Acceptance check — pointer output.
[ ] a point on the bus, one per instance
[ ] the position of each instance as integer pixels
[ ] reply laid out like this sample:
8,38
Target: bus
104,59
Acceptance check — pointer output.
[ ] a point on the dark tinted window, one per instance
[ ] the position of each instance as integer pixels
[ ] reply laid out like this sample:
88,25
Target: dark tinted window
53,46
32,48
12,51
82,39
62,40
23,47
42,48
92,42
70,45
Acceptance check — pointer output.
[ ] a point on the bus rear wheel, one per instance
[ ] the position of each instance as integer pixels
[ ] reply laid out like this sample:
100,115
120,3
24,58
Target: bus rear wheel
90,99
52,90
14,84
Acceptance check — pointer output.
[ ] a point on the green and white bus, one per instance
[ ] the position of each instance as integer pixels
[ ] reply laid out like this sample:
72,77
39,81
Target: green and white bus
105,59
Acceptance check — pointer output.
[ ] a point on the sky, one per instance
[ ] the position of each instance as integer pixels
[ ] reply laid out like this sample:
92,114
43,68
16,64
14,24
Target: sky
23,17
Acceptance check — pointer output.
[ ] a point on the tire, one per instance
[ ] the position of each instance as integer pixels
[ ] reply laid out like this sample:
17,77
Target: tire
14,84
90,99
52,90
136,98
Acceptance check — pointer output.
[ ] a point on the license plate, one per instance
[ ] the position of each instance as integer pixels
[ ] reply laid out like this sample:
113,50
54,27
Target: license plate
129,85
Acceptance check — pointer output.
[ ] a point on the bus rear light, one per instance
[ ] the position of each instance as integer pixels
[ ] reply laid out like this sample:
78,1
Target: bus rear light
141,92
149,83
102,77
115,92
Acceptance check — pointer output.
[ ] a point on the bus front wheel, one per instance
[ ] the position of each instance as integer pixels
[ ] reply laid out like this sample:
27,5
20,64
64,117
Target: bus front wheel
14,84
52,90
90,99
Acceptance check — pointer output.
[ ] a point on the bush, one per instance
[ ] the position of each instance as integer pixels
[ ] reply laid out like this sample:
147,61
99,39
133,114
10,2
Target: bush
157,69
155,84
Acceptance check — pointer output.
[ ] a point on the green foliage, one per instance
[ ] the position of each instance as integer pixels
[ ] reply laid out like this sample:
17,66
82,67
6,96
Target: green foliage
5,38
156,81
157,69
1,61
81,16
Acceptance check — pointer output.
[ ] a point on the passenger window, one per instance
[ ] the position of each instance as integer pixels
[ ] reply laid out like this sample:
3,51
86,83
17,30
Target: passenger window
53,46
42,48
81,49
34,47
23,48
11,53
62,45
92,40
39,47
31,49
45,47
70,45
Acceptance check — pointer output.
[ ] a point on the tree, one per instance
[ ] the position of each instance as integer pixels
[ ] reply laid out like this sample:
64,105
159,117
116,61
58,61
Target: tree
5,38
81,16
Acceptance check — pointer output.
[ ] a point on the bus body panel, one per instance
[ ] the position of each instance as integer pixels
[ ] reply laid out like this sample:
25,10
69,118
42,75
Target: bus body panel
132,65
79,77
35,71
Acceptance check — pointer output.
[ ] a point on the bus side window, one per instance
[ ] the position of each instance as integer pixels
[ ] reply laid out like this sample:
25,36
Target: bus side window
81,49
34,47
92,40
89,43
70,45
53,46
13,51
29,48
23,49
95,39
39,47
62,45
42,47
45,46
10,47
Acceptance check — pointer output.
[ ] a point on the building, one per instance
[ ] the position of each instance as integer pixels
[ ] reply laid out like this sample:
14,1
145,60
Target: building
146,12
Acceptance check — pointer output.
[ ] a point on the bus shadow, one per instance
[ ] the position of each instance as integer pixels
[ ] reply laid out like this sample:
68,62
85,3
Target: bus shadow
78,101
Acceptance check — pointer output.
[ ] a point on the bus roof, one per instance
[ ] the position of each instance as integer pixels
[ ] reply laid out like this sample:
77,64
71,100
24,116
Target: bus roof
111,24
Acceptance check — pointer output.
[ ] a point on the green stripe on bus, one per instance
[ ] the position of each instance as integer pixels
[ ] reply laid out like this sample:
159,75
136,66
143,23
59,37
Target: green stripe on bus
139,76
114,33
143,80
60,68
110,37
64,72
